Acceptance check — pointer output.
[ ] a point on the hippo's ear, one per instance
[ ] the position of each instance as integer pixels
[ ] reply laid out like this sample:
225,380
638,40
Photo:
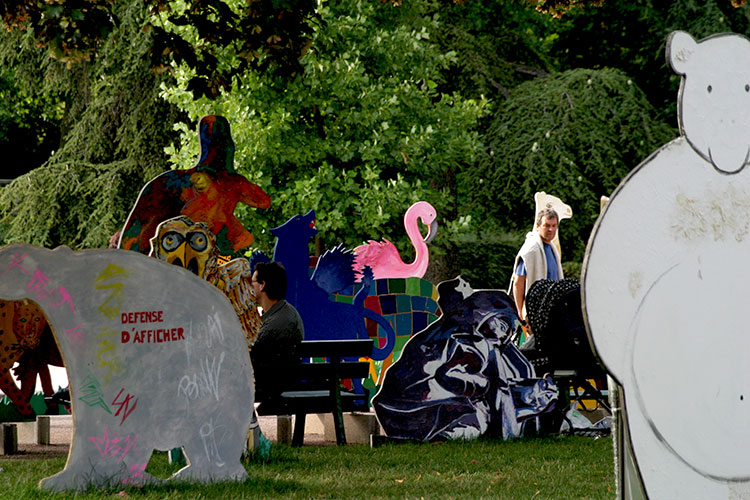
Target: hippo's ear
680,47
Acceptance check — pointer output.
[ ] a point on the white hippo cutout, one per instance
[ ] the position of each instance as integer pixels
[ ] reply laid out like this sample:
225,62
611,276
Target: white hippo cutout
666,286
156,359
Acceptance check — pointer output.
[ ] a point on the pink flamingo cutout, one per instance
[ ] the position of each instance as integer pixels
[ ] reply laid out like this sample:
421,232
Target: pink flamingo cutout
383,256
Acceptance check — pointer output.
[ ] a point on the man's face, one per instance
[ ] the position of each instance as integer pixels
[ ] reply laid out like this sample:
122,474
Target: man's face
547,229
254,285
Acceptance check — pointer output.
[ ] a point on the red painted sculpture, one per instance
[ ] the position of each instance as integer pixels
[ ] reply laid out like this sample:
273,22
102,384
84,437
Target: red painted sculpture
208,192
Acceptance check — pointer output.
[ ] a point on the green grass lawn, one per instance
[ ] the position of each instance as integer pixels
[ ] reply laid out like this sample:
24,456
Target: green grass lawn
547,468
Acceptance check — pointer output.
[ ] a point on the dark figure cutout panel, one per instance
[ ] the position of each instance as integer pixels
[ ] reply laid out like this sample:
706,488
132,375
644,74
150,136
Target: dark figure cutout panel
462,376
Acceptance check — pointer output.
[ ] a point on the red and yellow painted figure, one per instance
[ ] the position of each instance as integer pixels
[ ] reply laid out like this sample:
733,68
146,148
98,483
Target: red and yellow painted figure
208,193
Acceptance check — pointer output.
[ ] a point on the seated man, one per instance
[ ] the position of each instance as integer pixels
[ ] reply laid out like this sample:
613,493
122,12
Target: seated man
280,332
538,259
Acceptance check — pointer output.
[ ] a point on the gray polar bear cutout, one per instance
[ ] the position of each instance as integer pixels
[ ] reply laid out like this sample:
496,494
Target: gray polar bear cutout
156,359
666,284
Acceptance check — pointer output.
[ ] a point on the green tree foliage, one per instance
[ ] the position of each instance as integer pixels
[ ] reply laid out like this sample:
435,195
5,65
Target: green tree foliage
359,136
116,131
575,135
264,34
29,127
631,36
557,8
72,30
498,45
356,109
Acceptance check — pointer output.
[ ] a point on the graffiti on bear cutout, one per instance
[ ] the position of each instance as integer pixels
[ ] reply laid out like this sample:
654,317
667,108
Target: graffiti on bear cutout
133,351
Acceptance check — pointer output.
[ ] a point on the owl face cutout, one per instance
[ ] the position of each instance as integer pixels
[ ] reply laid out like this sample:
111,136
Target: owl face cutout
185,243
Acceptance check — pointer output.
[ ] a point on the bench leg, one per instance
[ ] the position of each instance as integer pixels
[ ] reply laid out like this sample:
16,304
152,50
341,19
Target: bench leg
338,426
338,416
299,430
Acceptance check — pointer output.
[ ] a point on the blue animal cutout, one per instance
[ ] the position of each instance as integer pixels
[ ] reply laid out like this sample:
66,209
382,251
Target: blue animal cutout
323,318
256,258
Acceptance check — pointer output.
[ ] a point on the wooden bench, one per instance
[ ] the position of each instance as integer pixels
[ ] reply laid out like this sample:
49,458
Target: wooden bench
316,387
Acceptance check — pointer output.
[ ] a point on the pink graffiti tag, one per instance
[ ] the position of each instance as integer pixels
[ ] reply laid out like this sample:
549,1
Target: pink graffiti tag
124,404
39,285
113,446
75,338
136,477
66,299
16,262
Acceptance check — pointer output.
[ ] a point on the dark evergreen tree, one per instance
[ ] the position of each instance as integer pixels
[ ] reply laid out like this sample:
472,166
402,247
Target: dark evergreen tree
575,135
114,130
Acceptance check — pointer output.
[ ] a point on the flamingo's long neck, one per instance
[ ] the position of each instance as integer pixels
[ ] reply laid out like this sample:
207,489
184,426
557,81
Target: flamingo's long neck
411,222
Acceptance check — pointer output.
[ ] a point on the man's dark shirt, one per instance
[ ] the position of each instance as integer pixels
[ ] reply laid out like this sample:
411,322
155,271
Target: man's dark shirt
278,341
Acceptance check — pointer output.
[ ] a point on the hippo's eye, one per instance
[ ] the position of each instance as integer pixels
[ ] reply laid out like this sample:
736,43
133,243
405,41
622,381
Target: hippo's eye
747,87
709,88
